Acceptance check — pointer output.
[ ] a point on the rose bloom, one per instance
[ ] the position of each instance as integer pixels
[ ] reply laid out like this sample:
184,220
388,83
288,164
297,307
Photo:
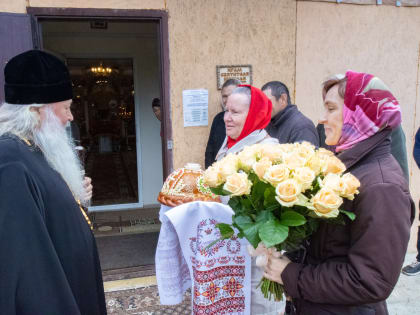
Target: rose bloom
334,182
350,186
307,144
247,157
261,167
212,177
286,147
305,176
326,203
272,151
305,150
316,164
294,160
287,192
238,184
324,152
334,165
228,165
276,174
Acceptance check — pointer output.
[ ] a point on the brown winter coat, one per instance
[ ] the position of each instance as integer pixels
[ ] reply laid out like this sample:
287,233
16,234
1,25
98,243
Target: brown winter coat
353,268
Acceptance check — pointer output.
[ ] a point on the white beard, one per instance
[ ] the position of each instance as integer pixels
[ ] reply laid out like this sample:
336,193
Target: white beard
58,149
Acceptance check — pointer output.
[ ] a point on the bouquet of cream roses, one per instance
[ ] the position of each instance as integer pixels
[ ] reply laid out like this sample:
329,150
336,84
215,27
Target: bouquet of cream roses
278,193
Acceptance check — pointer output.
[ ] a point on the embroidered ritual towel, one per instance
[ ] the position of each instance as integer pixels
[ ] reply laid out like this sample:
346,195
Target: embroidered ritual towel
172,274
221,274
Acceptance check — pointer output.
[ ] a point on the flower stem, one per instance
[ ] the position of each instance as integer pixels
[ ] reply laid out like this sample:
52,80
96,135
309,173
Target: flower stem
250,200
269,288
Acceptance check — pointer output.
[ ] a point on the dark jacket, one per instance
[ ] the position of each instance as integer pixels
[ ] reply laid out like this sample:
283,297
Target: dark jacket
398,149
416,151
321,133
216,138
290,125
353,268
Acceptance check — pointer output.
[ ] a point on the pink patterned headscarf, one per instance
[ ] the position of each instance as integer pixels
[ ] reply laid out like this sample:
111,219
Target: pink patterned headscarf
369,107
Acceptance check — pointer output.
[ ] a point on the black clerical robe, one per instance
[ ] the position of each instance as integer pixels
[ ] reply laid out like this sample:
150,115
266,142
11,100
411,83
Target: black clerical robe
49,263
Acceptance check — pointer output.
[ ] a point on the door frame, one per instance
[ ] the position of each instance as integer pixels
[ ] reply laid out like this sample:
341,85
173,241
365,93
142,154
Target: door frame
47,13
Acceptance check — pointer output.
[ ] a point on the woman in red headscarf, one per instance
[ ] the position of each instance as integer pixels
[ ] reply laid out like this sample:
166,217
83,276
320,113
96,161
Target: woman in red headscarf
353,268
248,112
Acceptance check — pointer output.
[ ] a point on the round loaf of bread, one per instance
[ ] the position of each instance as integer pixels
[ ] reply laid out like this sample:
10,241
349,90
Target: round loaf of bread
185,185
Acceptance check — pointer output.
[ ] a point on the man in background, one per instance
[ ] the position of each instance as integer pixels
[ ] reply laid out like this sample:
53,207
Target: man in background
218,129
287,124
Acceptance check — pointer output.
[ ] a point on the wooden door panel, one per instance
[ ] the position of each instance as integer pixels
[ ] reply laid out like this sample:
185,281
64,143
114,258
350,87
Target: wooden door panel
15,37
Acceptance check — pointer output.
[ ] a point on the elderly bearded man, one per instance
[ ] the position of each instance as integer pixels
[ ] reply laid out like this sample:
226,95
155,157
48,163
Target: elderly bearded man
49,262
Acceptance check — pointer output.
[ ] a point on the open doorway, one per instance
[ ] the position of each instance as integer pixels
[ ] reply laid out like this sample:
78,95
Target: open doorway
116,70
105,126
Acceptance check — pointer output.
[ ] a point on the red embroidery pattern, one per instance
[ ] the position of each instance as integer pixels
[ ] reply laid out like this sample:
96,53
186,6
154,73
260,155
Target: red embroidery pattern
239,259
223,260
223,306
232,286
211,292
210,263
206,234
219,290
233,245
196,292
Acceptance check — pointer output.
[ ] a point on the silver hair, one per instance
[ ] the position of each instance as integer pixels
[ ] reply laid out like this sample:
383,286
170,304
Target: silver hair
19,120
244,90
50,137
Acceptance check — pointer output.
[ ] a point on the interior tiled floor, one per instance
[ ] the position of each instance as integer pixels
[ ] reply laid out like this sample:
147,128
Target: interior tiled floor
114,177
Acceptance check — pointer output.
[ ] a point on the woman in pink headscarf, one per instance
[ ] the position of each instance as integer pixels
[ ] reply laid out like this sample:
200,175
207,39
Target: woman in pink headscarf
353,268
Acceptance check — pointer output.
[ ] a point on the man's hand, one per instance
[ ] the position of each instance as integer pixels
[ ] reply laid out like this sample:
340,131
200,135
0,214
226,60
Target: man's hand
87,184
275,267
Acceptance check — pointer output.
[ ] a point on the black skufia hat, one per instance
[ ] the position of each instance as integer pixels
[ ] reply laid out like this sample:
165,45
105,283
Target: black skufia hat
36,77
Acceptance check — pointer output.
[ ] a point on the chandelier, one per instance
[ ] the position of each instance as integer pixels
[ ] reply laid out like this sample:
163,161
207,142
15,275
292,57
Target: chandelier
100,70
124,113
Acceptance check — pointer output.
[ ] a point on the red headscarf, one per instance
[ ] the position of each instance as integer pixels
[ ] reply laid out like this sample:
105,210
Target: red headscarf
259,114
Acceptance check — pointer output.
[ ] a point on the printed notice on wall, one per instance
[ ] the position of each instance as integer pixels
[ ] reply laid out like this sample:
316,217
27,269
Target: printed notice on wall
196,107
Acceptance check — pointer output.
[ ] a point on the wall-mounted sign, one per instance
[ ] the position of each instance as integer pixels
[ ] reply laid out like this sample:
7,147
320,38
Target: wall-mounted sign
196,105
242,72
99,25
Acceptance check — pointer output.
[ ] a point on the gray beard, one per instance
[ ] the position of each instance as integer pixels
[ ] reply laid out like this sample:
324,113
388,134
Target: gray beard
58,150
